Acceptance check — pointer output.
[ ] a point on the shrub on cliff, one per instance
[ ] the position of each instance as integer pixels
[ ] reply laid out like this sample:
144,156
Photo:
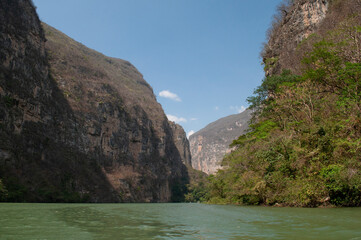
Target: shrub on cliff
304,147
3,191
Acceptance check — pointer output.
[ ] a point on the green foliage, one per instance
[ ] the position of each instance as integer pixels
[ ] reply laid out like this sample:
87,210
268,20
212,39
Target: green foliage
350,76
269,63
197,192
3,191
304,146
9,101
261,130
338,185
269,87
197,189
15,191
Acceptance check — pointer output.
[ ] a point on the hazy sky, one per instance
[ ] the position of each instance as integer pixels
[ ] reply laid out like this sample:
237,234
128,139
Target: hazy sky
200,56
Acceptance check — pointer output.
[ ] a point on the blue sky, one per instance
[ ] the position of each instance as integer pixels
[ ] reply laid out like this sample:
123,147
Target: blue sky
200,56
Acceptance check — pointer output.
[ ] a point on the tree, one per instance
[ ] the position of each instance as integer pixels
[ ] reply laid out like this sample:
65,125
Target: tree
3,191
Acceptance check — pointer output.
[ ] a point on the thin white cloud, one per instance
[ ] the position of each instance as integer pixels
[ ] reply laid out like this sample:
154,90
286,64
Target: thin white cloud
216,108
176,119
241,109
194,119
168,94
191,132
237,108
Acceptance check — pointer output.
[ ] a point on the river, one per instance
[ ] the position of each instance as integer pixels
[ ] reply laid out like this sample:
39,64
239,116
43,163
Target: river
174,221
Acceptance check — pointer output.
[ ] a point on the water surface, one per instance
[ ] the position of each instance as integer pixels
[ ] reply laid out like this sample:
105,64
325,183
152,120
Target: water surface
175,221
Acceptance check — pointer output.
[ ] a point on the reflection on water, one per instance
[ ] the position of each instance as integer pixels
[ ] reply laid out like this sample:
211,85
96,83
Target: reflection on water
111,222
175,221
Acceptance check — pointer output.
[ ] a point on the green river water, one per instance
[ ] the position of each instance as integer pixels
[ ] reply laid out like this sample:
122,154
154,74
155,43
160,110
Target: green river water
175,221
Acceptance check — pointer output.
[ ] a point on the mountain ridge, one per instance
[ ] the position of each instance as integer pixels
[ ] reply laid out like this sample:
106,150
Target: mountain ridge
211,143
78,125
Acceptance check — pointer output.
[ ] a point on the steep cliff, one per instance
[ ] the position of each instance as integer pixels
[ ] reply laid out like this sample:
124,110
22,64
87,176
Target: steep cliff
181,142
210,144
77,125
304,145
300,24
292,24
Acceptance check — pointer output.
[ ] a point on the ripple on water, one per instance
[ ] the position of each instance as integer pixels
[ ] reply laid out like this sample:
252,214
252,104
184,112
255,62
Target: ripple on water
174,221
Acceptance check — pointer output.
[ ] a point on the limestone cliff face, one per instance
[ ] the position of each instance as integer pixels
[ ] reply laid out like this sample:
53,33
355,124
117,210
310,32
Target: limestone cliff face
77,125
181,142
296,23
210,144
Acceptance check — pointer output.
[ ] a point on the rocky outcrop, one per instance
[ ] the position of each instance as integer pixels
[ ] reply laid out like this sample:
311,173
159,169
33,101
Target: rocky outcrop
293,24
210,144
77,125
181,142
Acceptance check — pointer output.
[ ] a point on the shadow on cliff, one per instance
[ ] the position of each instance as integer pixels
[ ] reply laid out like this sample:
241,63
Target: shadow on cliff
181,179
152,173
44,151
40,157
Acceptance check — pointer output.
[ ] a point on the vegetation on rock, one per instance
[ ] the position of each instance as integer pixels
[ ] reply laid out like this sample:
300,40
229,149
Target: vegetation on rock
3,191
304,147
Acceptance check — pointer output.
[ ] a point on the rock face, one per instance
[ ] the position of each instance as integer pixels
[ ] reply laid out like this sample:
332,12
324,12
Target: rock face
181,142
210,144
77,125
294,23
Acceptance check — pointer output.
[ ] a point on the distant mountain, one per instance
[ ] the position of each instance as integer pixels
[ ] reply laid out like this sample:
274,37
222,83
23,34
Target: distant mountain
305,147
76,125
210,144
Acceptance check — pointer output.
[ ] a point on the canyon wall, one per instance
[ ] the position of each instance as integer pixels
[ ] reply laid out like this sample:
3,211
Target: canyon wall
210,144
77,125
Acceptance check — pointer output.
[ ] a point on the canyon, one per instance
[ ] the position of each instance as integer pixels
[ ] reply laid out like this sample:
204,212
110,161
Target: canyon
78,126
